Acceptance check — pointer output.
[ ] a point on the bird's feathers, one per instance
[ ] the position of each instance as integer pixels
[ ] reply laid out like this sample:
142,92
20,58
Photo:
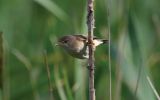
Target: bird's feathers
77,45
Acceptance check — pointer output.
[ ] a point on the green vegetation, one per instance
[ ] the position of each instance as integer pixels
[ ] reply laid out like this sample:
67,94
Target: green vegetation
31,26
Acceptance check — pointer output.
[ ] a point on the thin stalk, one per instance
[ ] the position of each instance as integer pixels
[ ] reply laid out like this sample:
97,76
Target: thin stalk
138,80
90,24
48,75
153,88
109,51
1,61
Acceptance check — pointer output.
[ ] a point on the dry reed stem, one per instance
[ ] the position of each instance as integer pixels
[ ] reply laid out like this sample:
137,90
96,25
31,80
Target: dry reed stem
90,24
48,75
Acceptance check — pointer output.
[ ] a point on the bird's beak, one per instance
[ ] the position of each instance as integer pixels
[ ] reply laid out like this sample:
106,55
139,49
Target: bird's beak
56,44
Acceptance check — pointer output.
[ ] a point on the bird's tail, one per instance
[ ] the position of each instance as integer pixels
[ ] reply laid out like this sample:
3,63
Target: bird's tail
99,41
105,41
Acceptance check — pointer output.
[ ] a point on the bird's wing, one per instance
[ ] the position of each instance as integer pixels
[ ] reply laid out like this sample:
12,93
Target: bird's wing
85,37
81,37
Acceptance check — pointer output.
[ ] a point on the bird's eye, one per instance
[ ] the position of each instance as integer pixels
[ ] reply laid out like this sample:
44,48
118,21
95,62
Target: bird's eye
65,41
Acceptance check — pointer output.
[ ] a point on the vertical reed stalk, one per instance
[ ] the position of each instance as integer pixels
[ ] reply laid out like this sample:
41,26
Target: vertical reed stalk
48,75
1,61
90,24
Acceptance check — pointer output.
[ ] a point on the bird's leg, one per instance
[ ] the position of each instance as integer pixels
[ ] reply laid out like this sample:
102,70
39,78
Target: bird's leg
90,43
93,45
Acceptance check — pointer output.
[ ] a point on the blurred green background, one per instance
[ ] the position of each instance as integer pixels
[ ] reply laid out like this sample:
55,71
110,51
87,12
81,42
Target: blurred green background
31,26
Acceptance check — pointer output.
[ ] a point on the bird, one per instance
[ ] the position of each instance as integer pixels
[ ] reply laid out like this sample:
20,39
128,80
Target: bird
77,45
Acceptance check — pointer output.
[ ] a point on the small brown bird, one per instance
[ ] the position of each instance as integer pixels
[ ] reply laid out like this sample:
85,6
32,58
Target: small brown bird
77,45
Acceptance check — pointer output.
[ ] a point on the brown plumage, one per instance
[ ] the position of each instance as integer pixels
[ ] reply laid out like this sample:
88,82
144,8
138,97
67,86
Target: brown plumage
76,45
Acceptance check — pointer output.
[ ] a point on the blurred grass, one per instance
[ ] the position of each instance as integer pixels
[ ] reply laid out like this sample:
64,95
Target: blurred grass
53,8
30,26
